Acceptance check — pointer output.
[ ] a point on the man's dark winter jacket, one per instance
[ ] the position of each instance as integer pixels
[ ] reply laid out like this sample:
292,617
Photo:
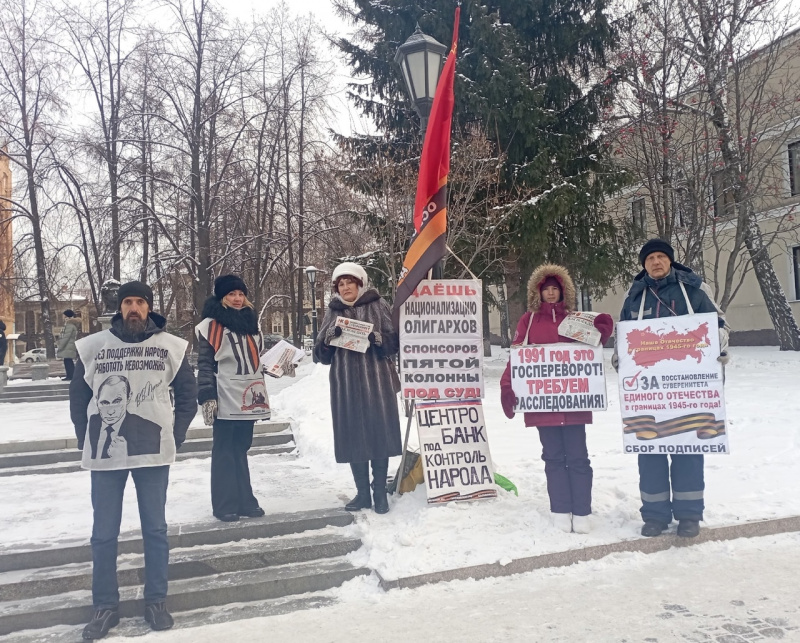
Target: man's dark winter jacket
664,297
184,385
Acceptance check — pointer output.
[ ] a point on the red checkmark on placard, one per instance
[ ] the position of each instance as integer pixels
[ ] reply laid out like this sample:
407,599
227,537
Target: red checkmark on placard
629,383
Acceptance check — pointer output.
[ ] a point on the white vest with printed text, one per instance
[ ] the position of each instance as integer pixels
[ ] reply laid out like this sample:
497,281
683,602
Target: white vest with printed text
241,390
131,413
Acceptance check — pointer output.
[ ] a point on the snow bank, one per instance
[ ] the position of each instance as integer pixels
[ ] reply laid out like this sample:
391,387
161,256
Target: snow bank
756,481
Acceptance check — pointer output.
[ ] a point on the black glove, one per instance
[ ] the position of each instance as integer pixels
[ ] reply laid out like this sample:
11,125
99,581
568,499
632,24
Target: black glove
371,338
333,331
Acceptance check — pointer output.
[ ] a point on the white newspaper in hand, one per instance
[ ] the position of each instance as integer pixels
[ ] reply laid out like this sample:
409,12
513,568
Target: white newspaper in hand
580,327
281,358
354,335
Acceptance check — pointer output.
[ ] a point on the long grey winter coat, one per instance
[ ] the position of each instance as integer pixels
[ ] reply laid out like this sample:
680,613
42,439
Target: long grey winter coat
66,343
366,423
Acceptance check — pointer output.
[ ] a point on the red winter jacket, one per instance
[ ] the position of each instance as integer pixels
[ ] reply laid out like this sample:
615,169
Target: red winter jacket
544,330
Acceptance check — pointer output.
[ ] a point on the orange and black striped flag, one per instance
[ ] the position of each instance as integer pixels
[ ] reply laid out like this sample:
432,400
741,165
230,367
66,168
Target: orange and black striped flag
430,205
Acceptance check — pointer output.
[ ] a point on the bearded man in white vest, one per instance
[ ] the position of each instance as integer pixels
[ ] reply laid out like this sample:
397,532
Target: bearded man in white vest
134,393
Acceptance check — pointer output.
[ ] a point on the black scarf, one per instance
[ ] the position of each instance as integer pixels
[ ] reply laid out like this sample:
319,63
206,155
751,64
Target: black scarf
243,321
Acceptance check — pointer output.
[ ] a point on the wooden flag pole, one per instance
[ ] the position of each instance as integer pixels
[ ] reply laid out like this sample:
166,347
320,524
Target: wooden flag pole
409,407
399,477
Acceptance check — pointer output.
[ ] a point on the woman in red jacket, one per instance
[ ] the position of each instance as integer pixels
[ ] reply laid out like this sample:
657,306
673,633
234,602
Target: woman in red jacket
551,297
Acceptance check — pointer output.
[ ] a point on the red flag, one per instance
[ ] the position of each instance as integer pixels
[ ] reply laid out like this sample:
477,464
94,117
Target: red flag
430,205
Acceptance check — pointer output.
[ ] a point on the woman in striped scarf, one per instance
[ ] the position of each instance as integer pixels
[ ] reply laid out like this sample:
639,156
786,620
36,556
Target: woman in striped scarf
232,393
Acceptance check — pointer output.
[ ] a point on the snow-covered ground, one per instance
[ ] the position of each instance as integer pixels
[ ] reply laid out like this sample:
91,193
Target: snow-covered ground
756,481
688,594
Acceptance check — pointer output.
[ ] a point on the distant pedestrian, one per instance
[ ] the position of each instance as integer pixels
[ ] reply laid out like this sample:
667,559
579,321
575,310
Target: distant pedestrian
66,343
232,392
668,289
366,422
551,297
134,392
3,342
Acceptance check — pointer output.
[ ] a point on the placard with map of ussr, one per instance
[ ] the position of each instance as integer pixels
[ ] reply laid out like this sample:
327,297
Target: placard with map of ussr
670,385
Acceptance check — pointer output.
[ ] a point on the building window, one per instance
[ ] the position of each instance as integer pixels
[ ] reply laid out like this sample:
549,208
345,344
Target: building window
682,209
639,217
794,168
724,206
796,267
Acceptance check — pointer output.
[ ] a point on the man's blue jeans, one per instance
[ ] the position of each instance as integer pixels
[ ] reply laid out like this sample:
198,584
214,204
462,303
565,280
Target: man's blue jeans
108,488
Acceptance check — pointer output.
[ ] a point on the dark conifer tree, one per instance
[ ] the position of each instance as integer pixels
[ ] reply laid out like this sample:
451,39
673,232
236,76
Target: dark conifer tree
528,75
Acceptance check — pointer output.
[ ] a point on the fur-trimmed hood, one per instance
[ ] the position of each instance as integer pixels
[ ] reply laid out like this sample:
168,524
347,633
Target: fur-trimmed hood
243,322
537,278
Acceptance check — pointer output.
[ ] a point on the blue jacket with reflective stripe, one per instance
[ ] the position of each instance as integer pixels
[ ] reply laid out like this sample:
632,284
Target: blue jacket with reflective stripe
664,297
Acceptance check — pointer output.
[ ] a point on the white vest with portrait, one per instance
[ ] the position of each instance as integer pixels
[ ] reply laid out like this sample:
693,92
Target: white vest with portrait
241,391
131,414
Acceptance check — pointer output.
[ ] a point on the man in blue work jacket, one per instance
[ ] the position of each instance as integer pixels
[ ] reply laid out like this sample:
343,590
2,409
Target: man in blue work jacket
664,289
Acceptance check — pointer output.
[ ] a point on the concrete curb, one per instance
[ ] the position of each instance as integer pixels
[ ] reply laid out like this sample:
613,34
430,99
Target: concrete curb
53,384
136,627
74,467
571,556
74,608
201,445
194,433
192,562
33,399
49,391
35,556
47,584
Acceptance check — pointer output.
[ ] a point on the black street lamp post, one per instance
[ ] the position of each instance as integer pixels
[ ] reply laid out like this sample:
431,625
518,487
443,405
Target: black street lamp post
421,59
311,274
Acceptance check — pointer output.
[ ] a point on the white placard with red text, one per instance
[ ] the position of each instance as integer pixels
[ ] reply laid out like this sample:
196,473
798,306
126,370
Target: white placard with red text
441,341
558,378
670,385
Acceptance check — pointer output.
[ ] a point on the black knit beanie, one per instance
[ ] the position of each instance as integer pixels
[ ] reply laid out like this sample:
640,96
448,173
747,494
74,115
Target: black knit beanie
228,283
656,245
135,289
69,313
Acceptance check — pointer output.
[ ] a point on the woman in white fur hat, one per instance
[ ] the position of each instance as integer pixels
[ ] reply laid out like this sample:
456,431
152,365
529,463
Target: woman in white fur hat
366,423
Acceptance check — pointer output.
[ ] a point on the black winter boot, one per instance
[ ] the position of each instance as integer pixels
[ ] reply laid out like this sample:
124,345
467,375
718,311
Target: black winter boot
653,528
361,477
379,471
688,528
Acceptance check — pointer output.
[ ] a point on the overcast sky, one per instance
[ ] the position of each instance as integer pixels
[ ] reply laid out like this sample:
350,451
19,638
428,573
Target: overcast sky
348,120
